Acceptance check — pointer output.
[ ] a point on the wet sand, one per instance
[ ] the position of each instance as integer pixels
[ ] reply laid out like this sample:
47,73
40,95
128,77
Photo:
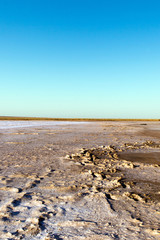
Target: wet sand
150,157
96,180
151,133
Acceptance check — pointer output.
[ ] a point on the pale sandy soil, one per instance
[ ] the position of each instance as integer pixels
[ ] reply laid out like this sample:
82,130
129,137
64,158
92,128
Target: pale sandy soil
51,188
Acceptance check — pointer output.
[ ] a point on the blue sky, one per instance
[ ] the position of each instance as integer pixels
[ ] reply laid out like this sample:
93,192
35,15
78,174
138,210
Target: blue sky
83,58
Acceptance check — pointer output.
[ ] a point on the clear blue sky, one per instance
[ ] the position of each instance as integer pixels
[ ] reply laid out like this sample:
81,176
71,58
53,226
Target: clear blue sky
80,58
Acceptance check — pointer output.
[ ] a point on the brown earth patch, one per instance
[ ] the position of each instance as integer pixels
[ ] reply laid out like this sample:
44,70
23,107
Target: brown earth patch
151,133
151,157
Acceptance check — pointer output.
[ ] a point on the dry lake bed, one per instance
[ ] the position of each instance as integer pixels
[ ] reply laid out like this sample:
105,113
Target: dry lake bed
66,180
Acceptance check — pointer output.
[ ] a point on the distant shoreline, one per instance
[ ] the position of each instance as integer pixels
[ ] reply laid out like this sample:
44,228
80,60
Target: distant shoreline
72,119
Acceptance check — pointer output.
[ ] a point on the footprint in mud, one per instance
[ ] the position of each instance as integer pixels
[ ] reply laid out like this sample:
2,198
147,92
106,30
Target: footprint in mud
32,184
16,202
41,223
49,172
57,237
15,213
5,219
27,196
8,213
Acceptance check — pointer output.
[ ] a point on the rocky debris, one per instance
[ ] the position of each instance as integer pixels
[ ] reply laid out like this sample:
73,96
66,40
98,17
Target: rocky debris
135,197
107,172
145,145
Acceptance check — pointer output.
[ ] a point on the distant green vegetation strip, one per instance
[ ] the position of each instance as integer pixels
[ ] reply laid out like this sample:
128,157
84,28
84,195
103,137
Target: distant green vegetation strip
73,119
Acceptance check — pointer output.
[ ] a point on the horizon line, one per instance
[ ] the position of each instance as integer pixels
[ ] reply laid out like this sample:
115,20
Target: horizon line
75,119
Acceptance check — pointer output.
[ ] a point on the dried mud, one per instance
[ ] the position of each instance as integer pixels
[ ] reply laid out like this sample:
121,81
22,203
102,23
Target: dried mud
92,181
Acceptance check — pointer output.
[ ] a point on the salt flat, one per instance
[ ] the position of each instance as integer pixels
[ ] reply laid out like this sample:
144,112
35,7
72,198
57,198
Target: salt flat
98,180
8,124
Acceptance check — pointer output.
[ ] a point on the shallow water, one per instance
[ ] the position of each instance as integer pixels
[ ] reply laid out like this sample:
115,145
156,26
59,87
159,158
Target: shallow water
18,124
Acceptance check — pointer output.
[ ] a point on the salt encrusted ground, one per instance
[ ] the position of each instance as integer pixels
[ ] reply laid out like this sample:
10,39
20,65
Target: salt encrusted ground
88,181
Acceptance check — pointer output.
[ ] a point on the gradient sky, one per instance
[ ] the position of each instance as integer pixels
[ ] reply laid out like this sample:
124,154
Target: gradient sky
80,58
